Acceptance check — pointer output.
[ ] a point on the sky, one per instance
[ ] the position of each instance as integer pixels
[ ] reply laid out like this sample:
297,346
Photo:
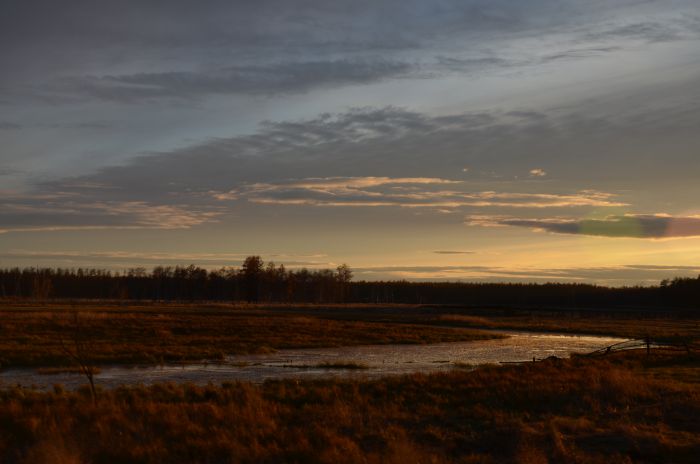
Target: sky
470,140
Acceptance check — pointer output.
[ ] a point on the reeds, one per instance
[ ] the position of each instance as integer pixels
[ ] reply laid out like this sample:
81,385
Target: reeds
580,410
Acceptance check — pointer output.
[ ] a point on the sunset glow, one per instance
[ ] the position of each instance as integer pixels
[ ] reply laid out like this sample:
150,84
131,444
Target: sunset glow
481,140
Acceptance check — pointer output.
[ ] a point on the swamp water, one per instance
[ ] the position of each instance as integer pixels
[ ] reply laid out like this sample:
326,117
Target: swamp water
375,361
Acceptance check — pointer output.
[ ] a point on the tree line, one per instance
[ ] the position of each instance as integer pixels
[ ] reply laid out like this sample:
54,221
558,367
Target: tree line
256,281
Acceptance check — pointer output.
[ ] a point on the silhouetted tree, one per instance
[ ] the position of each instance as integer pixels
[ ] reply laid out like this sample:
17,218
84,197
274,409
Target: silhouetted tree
41,284
344,276
252,270
258,282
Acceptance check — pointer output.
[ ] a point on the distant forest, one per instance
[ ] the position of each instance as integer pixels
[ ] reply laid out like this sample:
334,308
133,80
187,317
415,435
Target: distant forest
257,282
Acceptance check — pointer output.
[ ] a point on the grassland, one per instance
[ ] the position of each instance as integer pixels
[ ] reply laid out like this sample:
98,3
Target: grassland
620,408
677,326
671,327
31,334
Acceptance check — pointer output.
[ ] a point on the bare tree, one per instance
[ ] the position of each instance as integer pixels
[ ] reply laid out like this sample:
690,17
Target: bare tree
76,346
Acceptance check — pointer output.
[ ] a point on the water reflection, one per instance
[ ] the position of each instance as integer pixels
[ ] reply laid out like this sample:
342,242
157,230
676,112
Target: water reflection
379,360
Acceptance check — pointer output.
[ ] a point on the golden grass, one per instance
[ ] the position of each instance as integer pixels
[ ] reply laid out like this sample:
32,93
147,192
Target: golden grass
583,410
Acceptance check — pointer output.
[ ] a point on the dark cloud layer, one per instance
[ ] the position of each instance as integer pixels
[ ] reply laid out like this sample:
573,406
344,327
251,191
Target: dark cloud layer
278,78
633,226
130,51
647,31
354,159
395,142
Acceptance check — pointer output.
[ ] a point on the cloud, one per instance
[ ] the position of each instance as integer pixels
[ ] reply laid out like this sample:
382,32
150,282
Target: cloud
176,49
337,185
453,252
579,53
41,213
179,50
4,125
403,192
384,141
6,171
364,157
318,162
118,258
650,226
281,78
471,64
648,31
395,142
92,125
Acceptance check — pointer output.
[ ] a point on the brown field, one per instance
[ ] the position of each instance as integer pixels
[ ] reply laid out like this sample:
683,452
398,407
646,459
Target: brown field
677,326
147,333
31,333
621,408
672,327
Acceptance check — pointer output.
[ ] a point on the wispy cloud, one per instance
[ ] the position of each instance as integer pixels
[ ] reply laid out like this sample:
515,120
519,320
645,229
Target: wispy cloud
299,162
56,213
453,252
4,125
281,78
405,192
235,48
7,171
648,31
333,186
383,143
119,258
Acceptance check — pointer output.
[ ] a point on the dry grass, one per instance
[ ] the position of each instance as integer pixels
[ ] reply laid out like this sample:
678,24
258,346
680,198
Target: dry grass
625,407
672,328
145,334
468,320
148,333
671,325
579,411
342,365
64,370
